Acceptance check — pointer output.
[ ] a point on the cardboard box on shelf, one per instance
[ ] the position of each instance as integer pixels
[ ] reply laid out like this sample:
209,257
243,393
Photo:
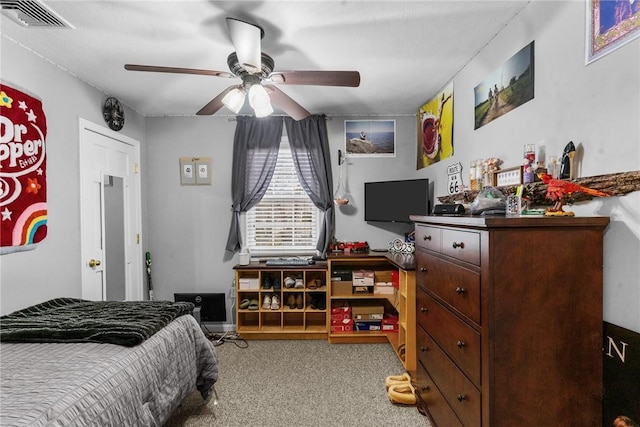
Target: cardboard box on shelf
383,288
341,288
248,283
341,307
341,275
383,275
344,325
363,278
362,289
367,312
366,325
340,316
390,323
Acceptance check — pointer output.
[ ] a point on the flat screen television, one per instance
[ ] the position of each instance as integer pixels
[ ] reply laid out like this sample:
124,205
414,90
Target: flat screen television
394,201
213,306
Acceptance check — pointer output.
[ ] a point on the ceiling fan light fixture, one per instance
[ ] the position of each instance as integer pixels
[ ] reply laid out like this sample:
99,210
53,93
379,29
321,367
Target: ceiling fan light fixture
264,112
258,97
234,100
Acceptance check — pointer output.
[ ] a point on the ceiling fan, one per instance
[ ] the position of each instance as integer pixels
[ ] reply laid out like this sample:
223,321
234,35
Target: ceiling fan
255,68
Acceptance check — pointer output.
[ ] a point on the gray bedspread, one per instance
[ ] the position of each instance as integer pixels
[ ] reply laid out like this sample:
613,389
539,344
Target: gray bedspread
89,384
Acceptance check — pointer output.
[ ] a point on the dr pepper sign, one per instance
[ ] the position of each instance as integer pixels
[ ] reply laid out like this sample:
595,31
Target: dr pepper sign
23,170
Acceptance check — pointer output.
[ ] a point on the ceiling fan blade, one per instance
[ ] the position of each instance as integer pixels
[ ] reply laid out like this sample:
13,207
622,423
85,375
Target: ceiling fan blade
318,78
246,41
286,103
215,104
177,70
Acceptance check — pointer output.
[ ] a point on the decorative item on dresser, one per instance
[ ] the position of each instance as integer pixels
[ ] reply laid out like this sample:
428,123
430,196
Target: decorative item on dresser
509,320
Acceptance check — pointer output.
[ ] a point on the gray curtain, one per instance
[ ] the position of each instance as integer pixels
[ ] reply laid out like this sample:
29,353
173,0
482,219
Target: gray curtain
255,152
310,149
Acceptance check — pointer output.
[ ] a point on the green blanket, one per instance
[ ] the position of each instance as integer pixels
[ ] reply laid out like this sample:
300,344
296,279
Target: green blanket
75,320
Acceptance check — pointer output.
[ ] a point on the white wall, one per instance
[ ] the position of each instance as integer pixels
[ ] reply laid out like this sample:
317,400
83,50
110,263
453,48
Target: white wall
185,228
53,268
595,105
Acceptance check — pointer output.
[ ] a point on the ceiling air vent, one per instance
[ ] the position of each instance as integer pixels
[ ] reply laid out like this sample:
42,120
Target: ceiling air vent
33,14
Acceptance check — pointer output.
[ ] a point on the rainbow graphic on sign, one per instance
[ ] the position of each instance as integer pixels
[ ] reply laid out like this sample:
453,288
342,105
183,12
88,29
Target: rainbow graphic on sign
29,223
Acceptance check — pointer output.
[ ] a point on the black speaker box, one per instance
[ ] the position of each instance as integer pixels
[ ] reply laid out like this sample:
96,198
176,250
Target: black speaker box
449,209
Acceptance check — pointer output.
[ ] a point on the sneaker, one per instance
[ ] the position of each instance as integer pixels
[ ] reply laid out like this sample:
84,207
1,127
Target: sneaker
275,302
298,283
266,303
289,282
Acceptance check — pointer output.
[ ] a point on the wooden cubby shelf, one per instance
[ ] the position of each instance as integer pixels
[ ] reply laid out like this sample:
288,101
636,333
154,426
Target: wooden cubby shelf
314,294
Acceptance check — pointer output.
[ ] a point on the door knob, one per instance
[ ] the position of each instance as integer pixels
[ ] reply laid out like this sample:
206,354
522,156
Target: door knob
94,263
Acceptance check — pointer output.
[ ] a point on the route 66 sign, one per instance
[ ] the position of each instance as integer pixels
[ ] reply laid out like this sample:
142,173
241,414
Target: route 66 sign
454,183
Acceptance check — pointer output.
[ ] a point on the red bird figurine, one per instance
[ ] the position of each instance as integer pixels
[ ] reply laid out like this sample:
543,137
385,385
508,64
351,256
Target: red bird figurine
558,189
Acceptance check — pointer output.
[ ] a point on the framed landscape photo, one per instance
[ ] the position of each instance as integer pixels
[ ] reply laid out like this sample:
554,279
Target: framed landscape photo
610,25
370,138
507,88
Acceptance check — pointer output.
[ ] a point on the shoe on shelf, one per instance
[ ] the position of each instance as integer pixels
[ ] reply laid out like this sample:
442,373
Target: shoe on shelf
403,394
311,284
266,303
245,303
253,304
321,301
276,284
275,302
405,378
291,301
299,301
289,282
266,282
299,284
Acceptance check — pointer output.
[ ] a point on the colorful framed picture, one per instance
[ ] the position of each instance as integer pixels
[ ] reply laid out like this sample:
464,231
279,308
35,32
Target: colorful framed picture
610,25
506,88
370,138
435,128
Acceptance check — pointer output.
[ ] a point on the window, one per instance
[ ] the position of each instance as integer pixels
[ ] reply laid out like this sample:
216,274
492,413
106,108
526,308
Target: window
286,221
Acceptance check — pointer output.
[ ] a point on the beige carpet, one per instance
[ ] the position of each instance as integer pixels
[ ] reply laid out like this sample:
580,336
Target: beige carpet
300,383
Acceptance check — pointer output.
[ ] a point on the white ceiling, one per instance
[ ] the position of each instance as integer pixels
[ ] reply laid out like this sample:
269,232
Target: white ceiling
405,51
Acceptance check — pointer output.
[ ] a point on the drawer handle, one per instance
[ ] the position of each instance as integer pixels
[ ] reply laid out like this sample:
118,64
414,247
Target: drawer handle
461,344
461,398
460,290
423,269
423,309
424,349
426,237
425,388
458,245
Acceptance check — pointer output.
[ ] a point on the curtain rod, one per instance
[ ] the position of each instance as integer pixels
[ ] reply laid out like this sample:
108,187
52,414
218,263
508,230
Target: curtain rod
233,119
331,116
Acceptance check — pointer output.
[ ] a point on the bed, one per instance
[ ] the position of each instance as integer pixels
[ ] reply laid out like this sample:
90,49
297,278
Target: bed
71,362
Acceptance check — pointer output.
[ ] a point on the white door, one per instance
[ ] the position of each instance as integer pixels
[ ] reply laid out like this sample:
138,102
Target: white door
105,155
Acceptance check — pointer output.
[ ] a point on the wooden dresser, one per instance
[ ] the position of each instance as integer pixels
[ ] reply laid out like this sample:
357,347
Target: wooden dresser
509,320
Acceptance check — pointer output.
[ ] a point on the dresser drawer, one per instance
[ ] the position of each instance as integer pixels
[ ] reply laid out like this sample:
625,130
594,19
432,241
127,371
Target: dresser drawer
457,339
438,408
458,391
428,237
463,245
458,286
